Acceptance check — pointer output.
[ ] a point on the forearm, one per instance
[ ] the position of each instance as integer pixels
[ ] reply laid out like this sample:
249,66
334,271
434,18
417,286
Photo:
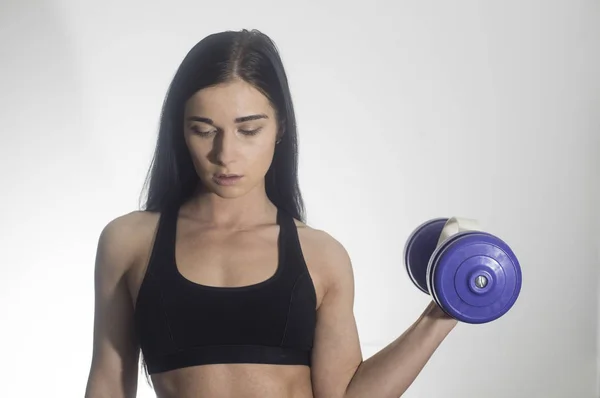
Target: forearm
105,389
104,382
392,370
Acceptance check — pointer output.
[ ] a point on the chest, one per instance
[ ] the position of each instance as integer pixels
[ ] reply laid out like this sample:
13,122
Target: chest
220,259
228,259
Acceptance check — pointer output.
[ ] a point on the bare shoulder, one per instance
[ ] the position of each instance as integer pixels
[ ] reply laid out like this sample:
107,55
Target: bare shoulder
123,239
322,242
326,255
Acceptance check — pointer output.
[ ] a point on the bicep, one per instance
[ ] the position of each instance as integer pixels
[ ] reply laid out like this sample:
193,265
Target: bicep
336,352
115,352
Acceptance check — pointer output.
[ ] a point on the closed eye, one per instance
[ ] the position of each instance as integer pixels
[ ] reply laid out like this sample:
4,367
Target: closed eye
206,133
200,132
250,132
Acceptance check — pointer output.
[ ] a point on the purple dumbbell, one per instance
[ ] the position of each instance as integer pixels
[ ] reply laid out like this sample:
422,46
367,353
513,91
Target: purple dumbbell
472,275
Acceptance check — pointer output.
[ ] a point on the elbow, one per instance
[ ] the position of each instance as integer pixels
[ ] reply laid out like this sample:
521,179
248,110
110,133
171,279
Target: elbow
107,387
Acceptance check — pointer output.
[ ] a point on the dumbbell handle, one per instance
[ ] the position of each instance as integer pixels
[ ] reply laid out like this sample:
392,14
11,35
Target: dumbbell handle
455,225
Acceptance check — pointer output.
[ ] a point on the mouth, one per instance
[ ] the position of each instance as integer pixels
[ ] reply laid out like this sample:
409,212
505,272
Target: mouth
226,179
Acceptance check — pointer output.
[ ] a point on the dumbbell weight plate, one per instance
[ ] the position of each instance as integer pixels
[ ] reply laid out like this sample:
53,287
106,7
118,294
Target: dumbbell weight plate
432,263
475,277
418,249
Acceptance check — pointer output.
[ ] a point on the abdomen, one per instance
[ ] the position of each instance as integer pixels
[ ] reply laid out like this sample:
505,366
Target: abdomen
234,381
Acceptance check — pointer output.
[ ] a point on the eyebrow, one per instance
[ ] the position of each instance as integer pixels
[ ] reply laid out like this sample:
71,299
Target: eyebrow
237,120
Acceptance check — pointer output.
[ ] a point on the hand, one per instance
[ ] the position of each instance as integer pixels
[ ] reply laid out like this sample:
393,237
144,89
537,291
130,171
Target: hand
433,311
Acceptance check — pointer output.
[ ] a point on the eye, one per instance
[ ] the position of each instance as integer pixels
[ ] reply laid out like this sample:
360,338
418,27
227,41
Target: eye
201,132
250,132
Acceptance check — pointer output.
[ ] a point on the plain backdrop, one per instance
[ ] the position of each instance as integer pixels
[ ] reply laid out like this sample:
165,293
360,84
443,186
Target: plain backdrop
407,110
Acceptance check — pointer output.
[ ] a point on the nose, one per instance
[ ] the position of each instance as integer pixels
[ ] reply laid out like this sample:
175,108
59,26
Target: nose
225,148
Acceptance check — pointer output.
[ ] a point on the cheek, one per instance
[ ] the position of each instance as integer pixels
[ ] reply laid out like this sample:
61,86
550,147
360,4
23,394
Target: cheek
259,156
200,153
197,150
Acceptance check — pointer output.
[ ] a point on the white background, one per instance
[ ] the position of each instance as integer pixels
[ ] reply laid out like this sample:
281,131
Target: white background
407,110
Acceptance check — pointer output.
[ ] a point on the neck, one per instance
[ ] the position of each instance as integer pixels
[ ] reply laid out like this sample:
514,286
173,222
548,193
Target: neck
232,213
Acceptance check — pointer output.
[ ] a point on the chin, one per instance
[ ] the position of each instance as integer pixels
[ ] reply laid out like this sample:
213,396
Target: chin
225,192
228,193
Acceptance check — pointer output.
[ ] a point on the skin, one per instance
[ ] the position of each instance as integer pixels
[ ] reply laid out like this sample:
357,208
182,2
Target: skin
233,230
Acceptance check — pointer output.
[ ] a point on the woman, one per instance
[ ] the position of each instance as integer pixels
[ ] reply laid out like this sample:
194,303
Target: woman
219,283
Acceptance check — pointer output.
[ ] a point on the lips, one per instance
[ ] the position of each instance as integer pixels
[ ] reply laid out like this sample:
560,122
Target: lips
226,179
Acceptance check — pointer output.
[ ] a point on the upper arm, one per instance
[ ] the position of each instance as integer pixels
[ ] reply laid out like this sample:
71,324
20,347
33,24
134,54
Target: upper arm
336,352
115,354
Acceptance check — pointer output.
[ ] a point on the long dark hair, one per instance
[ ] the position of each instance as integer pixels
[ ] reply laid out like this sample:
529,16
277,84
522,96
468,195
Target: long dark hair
220,57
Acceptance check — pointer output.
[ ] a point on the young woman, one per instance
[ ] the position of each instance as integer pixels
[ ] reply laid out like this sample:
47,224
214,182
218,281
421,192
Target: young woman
219,283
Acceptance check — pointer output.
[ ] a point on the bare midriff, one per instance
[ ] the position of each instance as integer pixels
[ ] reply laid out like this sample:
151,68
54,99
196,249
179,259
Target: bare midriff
235,381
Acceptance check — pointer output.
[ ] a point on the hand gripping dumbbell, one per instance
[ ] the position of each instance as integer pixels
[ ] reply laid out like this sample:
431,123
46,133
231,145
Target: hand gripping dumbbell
472,275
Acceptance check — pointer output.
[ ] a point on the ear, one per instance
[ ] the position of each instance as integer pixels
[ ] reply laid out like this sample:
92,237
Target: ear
280,134
280,129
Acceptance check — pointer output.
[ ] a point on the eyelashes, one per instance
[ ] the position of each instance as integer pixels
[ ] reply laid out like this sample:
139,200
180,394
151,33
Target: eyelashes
203,133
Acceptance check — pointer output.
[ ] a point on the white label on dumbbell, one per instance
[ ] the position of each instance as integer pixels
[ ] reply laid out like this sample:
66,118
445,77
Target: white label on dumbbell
455,225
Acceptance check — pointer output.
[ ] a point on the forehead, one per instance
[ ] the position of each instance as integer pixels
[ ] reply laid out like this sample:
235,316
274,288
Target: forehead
231,100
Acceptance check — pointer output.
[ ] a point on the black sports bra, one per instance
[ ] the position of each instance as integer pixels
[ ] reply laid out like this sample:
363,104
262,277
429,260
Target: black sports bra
180,323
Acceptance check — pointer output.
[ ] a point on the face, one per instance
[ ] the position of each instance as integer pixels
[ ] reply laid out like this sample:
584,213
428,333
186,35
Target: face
230,131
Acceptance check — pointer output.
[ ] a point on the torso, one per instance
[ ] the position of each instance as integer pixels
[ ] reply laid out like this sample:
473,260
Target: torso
228,259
